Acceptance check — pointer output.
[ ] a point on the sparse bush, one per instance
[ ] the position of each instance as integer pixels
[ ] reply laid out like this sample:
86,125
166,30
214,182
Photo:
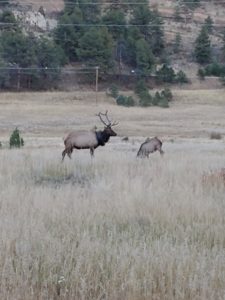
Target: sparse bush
215,136
15,139
0,145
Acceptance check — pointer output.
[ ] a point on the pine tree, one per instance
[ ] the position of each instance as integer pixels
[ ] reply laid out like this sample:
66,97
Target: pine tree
68,36
151,27
192,4
15,140
177,43
209,24
203,47
4,3
96,47
115,16
177,16
144,57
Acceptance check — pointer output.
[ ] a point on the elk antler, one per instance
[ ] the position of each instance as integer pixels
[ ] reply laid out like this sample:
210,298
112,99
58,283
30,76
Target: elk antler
110,124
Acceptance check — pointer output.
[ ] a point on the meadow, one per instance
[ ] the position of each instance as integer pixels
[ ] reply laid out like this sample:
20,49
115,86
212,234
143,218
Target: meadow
112,227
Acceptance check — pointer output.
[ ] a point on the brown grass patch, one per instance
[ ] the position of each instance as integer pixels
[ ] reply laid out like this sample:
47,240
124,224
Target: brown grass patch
214,178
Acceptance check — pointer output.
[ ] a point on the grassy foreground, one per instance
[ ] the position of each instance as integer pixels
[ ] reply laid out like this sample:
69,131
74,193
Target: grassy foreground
112,228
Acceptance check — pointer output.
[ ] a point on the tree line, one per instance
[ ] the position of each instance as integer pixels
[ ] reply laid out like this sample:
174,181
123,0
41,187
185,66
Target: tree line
119,36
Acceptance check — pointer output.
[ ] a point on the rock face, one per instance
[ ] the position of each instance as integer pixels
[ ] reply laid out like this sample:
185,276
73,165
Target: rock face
35,20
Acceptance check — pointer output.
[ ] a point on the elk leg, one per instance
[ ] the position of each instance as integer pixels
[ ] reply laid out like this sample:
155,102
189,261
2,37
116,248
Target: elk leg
92,152
159,148
69,152
63,154
161,152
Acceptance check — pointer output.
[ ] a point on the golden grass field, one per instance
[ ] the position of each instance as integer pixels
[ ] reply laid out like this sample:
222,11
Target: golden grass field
113,227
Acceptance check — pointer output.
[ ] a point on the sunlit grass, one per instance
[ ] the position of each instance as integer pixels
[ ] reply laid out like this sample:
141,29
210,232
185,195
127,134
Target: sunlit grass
114,227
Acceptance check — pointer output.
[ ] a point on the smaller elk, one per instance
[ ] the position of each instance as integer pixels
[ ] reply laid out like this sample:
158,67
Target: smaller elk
150,146
89,139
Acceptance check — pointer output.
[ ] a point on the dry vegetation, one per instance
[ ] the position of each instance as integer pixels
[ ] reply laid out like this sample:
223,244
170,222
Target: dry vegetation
114,227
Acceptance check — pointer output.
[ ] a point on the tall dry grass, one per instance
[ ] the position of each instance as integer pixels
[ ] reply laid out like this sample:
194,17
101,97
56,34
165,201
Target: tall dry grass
110,228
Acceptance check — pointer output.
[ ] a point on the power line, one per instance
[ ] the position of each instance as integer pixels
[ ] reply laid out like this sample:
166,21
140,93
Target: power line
108,25
111,3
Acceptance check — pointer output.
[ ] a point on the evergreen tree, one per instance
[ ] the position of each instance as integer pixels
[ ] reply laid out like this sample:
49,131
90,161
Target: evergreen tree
15,140
4,74
90,9
151,26
18,49
192,4
115,16
209,24
8,17
157,40
4,3
177,43
68,36
50,58
144,57
177,16
95,48
203,47
166,74
133,35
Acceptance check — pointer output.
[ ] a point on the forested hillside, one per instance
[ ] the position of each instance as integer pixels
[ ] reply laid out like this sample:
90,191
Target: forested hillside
170,41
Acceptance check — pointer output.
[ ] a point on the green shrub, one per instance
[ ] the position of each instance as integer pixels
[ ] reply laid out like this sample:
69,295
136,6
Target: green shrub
145,99
215,69
15,140
201,74
0,145
125,101
181,77
130,101
140,87
163,102
114,91
166,74
166,93
162,98
156,98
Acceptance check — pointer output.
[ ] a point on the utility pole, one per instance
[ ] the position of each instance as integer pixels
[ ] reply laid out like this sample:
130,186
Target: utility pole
96,84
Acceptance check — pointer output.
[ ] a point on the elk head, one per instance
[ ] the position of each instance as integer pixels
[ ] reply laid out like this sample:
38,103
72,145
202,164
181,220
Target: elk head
107,123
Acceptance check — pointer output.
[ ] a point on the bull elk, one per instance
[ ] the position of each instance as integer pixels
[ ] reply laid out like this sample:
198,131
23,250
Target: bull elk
89,139
150,146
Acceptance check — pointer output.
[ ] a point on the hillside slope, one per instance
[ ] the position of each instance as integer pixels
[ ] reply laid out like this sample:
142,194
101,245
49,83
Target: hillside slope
188,26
